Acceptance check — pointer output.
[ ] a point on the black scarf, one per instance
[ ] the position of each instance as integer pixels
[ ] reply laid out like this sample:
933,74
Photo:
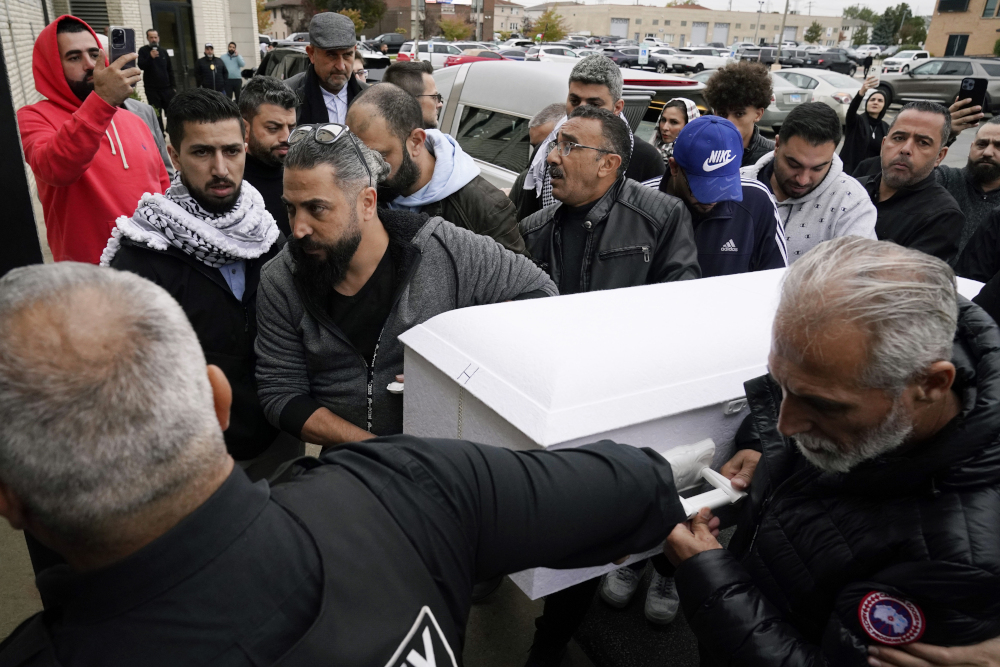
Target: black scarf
314,106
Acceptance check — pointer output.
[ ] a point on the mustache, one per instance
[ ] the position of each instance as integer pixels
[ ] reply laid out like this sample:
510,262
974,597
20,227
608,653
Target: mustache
218,180
903,161
279,146
555,171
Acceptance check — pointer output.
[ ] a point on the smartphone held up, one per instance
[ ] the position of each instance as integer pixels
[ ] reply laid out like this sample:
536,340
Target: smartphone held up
121,41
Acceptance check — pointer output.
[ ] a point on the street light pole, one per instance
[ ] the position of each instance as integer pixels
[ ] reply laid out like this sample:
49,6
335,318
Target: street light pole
781,36
760,8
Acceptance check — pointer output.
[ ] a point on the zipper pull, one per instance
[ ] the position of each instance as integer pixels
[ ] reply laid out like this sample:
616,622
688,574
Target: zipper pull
645,253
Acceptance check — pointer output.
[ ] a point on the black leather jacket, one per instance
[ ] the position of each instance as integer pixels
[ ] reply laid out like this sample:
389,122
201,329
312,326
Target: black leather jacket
481,207
918,524
639,236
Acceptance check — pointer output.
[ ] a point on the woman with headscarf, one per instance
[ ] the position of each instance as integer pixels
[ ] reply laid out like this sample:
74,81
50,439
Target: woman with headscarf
865,131
676,113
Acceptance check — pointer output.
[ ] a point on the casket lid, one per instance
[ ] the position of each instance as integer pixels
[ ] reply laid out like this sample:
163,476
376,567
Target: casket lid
573,366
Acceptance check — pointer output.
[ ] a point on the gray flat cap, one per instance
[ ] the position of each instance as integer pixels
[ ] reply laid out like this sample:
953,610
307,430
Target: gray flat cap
330,30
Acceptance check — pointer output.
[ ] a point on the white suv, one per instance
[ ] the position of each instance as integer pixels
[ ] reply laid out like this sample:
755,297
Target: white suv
903,61
868,50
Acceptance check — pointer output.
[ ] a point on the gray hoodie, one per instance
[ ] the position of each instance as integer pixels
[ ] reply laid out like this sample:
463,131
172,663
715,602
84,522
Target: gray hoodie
839,206
304,361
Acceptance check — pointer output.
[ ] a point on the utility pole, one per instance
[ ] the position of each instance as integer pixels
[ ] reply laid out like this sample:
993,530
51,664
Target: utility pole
781,36
760,7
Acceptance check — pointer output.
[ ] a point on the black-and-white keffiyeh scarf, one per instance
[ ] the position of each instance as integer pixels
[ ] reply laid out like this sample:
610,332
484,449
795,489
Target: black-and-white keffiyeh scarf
537,178
667,150
175,219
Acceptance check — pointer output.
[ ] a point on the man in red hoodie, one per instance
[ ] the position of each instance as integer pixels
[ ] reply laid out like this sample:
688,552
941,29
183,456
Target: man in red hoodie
92,159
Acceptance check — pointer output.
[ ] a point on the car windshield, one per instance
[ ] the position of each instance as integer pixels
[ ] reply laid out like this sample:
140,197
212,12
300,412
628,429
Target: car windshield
905,54
840,80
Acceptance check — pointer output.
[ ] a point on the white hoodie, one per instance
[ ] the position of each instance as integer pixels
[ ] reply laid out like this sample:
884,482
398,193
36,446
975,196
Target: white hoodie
839,206
453,170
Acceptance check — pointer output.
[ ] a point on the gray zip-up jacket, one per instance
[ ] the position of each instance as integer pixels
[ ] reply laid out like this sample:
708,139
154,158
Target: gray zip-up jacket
839,206
304,361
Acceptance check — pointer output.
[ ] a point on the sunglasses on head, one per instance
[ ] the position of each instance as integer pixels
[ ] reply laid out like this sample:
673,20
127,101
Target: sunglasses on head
326,134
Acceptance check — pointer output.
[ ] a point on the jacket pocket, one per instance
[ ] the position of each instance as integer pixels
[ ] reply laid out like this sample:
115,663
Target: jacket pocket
627,250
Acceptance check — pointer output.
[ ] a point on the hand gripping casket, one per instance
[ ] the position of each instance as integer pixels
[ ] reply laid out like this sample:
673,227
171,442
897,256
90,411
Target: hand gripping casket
659,366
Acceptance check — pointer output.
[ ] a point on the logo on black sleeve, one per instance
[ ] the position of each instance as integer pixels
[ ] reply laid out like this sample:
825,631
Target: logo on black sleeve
890,620
424,645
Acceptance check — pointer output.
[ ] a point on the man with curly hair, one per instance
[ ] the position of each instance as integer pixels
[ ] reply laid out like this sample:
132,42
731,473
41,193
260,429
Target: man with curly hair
739,92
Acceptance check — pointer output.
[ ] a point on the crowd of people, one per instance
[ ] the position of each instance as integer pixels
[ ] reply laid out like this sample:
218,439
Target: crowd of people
235,287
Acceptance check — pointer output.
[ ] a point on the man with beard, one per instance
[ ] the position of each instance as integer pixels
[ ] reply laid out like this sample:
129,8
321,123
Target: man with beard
211,71
976,187
268,109
430,172
92,159
914,210
205,241
871,458
157,74
816,200
329,86
353,277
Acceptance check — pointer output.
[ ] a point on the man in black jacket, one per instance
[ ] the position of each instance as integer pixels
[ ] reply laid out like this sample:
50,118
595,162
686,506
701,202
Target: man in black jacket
606,231
268,109
157,74
205,241
914,210
595,81
329,86
871,452
365,557
430,172
211,71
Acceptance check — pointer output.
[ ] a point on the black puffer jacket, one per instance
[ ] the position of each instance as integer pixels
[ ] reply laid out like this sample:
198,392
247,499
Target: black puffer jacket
639,236
758,147
226,328
211,73
919,525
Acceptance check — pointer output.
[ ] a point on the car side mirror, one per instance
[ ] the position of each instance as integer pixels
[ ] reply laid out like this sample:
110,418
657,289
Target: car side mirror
909,72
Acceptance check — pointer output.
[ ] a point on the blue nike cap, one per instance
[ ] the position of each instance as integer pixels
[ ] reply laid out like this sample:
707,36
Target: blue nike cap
710,149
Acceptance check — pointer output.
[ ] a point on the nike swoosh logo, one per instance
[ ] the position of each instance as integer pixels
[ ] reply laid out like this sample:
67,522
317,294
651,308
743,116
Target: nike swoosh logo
707,167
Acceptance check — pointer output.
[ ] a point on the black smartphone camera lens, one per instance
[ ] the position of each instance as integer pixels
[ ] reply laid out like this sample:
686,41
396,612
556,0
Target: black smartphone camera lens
118,38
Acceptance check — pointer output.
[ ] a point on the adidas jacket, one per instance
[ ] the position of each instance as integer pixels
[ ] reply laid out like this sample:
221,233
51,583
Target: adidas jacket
839,206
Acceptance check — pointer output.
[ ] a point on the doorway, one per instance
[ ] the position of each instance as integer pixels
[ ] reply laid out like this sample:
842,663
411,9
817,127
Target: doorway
174,22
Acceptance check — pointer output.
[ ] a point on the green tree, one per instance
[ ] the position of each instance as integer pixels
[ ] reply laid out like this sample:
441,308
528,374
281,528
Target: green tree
263,17
505,35
996,48
402,31
551,26
814,32
355,16
888,26
860,37
371,10
914,30
860,12
454,29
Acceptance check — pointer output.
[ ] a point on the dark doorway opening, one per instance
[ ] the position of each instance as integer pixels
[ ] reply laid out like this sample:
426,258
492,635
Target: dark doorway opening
174,22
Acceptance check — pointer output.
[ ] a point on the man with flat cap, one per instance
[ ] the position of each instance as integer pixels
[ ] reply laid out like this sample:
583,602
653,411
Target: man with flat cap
327,88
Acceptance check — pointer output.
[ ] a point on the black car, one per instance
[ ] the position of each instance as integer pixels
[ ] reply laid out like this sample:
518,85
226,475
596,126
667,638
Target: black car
393,40
851,54
793,57
831,60
763,55
626,56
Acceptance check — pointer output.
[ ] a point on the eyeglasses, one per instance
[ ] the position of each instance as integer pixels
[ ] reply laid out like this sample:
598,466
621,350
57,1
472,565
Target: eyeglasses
438,97
566,147
327,134
362,72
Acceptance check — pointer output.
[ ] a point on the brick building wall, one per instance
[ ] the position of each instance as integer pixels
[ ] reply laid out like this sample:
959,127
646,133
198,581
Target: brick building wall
977,25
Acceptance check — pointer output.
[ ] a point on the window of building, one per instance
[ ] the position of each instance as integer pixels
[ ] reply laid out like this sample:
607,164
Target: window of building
953,5
737,26
656,21
669,37
683,23
753,26
777,27
667,22
956,45
638,21
990,9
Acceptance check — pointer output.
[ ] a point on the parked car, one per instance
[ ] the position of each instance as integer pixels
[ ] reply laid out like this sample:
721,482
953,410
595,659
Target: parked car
890,50
284,62
556,54
698,59
393,40
765,55
472,56
518,43
661,59
869,49
624,57
376,62
435,52
513,54
793,57
831,60
903,61
834,89
487,106
938,80
813,47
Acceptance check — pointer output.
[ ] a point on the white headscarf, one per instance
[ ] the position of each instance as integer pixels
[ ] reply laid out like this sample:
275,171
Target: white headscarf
667,150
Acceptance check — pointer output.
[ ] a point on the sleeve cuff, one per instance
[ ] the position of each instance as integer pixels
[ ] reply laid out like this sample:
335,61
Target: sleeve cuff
699,577
296,413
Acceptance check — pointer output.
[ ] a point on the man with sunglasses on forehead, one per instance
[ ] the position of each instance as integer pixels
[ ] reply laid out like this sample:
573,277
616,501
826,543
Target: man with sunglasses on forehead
205,241
605,231
352,278
329,86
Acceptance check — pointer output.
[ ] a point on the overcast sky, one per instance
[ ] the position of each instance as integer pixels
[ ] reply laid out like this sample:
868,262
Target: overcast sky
825,7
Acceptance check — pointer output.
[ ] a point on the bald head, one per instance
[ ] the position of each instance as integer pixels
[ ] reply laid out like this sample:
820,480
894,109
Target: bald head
104,395
397,108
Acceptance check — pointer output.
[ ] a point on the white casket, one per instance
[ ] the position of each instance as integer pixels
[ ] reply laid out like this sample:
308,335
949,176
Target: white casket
657,366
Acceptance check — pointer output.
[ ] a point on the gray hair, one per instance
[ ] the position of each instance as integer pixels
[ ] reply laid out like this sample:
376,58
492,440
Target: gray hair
599,70
349,173
906,300
549,114
929,107
104,396
265,90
